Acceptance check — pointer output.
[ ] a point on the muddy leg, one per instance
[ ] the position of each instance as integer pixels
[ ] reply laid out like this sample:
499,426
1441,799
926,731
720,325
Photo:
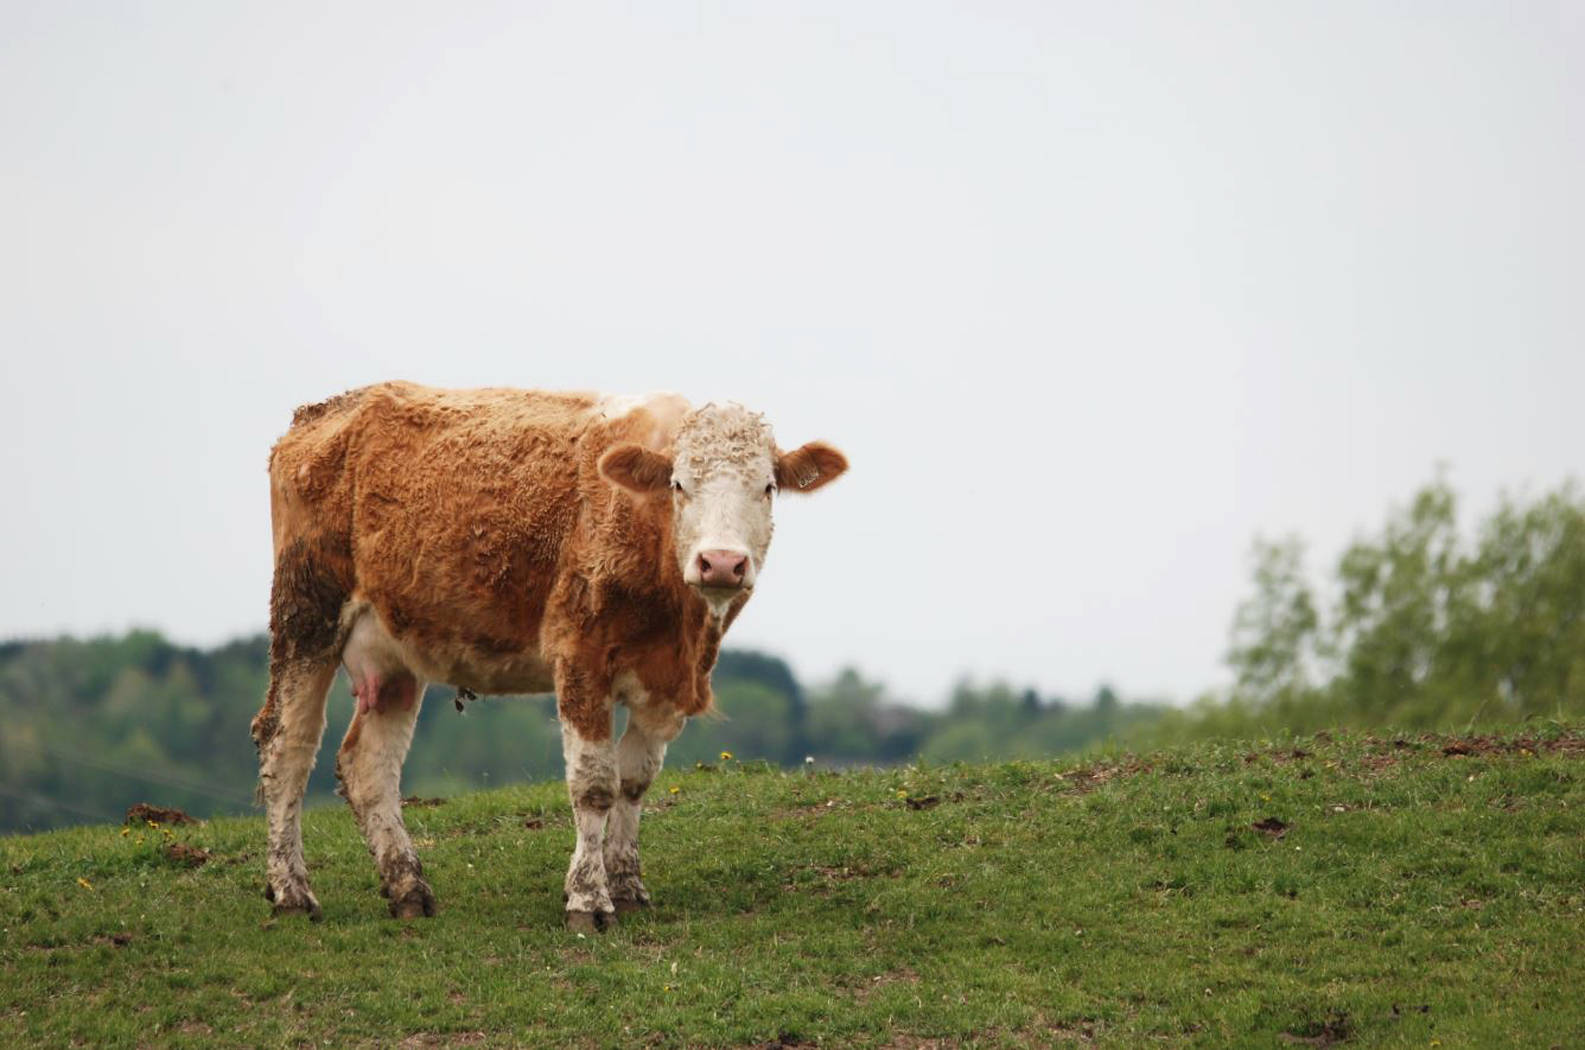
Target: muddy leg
591,781
369,765
639,757
287,732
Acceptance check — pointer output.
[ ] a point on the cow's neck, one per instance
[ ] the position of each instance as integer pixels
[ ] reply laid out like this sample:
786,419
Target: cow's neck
651,541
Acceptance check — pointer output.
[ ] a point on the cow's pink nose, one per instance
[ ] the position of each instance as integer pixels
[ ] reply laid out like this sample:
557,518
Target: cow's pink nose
722,568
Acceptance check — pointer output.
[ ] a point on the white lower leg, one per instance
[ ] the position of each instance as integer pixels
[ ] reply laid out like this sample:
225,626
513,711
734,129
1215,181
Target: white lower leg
286,760
639,758
623,871
285,778
592,783
370,767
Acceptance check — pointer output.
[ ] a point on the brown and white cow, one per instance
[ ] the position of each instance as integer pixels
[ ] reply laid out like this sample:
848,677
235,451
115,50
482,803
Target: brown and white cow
507,541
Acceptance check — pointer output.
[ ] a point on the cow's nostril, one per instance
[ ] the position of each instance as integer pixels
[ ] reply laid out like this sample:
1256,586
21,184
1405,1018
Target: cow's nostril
722,568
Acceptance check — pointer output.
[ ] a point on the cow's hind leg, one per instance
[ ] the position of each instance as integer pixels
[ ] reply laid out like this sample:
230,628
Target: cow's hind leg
639,757
287,731
369,766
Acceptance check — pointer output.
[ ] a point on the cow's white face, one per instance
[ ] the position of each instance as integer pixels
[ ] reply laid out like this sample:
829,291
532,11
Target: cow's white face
723,482
723,476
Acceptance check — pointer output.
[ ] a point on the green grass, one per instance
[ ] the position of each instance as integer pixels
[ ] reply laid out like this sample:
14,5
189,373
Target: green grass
1415,899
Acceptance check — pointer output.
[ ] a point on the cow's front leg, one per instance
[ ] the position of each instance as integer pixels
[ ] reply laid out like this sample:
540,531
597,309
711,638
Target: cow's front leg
639,758
592,783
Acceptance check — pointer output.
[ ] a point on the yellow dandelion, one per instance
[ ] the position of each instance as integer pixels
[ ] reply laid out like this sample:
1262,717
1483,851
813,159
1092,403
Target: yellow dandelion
675,789
726,756
901,793
84,883
125,832
152,823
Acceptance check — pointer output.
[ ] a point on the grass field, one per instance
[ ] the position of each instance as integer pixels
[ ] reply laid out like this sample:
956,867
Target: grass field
1345,889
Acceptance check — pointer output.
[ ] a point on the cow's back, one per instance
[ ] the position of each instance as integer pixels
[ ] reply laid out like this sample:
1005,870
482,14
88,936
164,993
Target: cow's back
447,512
462,505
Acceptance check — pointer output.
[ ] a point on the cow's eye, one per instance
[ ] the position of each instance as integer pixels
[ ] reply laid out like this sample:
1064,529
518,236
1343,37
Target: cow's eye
769,489
676,486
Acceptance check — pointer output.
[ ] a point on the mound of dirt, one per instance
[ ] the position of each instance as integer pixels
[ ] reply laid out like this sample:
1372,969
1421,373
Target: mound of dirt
191,856
1272,826
143,812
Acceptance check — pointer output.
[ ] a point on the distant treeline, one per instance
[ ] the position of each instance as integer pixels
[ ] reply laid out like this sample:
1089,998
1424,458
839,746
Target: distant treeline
93,726
1422,628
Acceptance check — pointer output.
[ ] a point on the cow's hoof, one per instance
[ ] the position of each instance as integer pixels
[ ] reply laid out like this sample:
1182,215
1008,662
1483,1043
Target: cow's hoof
308,907
629,905
416,903
590,921
293,901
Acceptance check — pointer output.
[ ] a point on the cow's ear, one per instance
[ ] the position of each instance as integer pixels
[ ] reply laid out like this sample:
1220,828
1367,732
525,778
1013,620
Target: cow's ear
636,468
806,469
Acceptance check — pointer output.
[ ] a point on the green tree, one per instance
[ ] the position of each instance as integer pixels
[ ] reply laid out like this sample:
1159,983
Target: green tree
1274,637
1429,629
1523,643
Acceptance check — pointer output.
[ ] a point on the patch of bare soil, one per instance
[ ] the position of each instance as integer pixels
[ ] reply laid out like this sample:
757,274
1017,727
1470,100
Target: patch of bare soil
783,1041
1084,1035
1088,778
1382,754
144,812
423,803
189,856
1569,744
1271,826
1335,1029
119,939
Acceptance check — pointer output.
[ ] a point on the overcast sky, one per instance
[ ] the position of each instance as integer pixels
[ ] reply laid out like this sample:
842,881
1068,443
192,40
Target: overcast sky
1090,293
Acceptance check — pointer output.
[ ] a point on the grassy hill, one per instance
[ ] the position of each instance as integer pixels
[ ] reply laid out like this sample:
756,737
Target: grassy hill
1345,889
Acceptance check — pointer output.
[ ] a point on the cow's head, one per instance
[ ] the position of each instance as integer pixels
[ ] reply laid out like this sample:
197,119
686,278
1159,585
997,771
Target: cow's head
723,473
